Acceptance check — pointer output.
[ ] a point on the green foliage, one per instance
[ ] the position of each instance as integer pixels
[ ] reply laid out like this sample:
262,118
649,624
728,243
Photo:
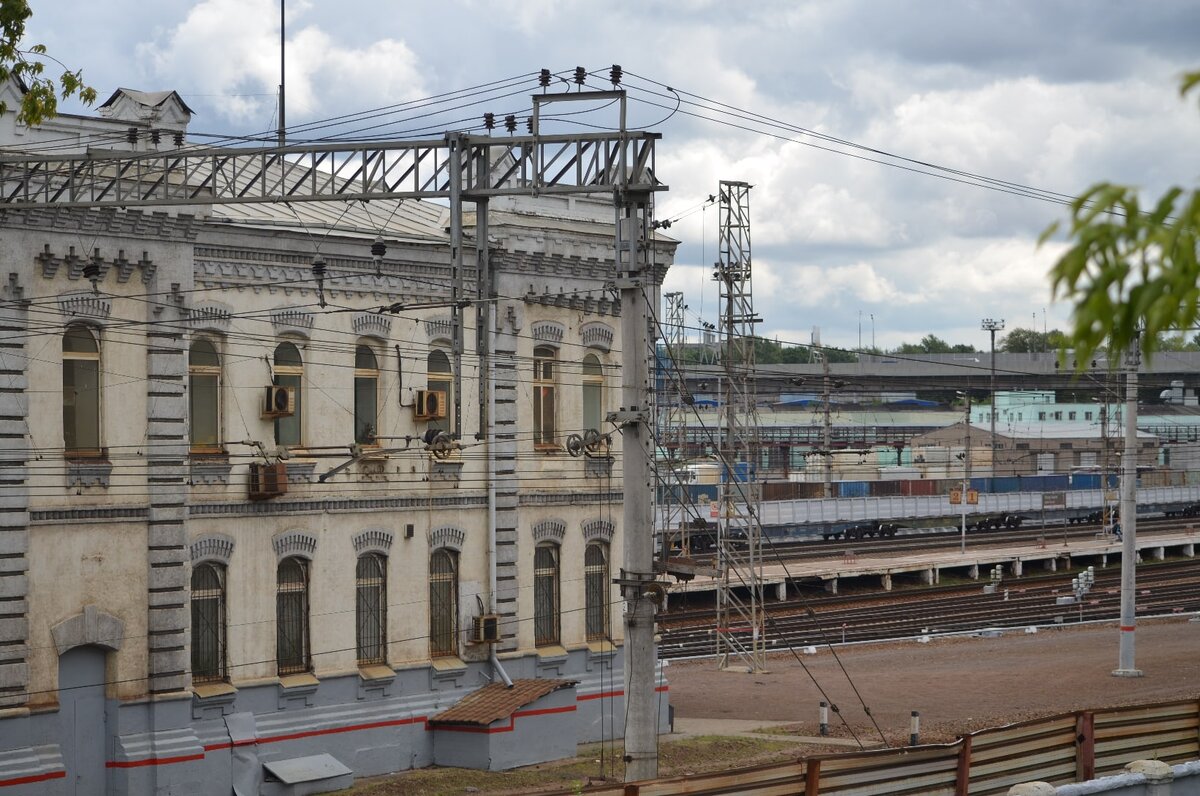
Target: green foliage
1027,341
29,65
1130,268
932,344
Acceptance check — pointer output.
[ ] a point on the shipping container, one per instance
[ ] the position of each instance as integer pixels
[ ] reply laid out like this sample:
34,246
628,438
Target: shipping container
853,489
1008,483
918,487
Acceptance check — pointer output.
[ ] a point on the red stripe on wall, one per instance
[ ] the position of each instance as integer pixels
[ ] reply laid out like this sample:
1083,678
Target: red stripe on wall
153,761
4,783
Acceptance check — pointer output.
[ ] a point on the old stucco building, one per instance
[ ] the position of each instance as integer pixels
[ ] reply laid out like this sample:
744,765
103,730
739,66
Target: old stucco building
240,529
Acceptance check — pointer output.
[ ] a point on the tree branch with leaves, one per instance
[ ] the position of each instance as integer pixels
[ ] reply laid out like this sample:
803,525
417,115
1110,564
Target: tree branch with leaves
1132,273
28,65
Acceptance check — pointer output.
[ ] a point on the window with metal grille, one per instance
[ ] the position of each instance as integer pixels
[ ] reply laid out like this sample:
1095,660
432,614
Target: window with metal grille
291,616
204,397
81,392
366,396
443,603
289,372
544,429
440,377
595,584
370,611
208,623
545,595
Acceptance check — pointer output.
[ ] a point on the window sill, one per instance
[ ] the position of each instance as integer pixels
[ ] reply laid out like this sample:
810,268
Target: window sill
601,648
552,652
376,671
548,449
447,663
290,682
212,690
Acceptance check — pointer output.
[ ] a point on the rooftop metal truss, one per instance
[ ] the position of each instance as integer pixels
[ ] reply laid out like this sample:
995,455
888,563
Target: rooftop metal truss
485,166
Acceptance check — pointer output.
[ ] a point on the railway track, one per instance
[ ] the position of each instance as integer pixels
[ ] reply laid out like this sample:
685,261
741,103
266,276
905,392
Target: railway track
1164,588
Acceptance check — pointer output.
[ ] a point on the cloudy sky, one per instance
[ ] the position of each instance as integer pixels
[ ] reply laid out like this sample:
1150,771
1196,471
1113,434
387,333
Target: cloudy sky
1050,95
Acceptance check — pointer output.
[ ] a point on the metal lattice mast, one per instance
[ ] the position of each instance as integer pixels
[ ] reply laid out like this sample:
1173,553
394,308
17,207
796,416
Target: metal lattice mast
672,428
740,637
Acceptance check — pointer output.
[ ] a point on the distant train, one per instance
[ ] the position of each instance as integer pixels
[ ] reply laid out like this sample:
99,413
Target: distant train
865,509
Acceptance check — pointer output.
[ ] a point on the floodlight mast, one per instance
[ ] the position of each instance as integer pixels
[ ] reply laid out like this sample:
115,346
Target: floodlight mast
460,168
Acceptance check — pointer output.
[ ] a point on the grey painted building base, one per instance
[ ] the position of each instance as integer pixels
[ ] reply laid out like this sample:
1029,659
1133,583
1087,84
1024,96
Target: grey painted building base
181,744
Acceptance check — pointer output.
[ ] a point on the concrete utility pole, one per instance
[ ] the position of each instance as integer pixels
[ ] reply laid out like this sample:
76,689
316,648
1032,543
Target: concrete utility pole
282,132
1125,665
992,326
966,484
827,426
637,577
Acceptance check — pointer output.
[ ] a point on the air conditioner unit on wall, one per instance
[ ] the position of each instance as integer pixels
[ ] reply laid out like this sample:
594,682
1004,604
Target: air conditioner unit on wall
268,480
279,402
430,405
486,629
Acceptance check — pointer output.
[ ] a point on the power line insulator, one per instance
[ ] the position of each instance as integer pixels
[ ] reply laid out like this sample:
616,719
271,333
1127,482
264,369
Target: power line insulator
544,78
510,123
529,125
131,135
614,74
580,75
489,121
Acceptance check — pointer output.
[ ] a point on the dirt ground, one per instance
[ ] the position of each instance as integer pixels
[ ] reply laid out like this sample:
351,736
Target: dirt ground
957,685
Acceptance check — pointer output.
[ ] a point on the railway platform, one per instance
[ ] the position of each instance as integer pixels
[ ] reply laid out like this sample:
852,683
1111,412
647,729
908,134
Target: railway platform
927,567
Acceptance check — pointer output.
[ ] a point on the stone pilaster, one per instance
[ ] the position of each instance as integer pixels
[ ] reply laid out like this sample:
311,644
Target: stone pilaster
507,485
166,529
14,495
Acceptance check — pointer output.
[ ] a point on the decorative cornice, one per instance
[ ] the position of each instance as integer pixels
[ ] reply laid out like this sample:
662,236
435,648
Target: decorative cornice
447,536
373,540
371,324
570,498
551,332
213,315
597,334
153,225
85,305
294,543
213,547
549,531
439,329
598,529
292,320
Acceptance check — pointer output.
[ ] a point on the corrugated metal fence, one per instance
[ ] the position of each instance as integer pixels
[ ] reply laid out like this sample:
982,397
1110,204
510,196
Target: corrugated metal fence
1073,747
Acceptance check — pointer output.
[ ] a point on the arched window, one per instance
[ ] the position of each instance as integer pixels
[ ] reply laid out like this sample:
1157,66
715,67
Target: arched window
366,396
593,393
204,396
370,609
440,377
208,622
289,372
81,392
595,585
291,616
443,603
545,595
544,429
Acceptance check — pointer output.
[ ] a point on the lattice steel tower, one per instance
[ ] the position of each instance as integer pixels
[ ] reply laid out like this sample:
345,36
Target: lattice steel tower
740,637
